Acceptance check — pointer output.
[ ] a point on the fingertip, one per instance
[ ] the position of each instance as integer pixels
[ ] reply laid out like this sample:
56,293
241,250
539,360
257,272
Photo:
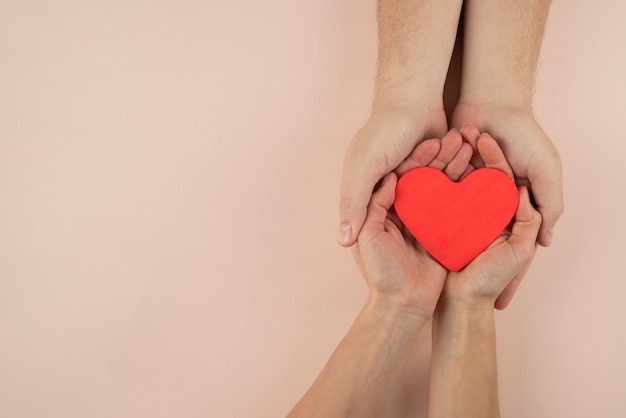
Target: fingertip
550,216
545,236
470,134
485,142
351,222
506,296
524,194
502,303
345,234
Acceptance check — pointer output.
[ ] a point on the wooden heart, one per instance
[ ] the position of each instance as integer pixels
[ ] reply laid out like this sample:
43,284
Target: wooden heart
455,221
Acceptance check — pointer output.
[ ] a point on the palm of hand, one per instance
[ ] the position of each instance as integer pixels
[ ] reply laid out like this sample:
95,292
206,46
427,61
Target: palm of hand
456,159
395,266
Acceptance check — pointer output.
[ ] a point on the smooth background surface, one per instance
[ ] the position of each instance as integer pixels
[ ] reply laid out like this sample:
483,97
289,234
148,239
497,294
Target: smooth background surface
169,176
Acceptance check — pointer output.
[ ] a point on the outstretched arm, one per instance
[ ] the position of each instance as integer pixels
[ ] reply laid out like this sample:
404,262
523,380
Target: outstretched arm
361,372
404,284
464,379
463,369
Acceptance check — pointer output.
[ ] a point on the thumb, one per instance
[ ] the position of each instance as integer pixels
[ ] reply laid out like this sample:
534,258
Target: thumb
360,175
546,183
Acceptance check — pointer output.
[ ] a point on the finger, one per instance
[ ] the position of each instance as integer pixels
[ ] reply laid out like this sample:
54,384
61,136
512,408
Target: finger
525,230
460,163
469,169
450,146
492,155
476,161
422,155
361,171
505,298
547,187
379,205
470,134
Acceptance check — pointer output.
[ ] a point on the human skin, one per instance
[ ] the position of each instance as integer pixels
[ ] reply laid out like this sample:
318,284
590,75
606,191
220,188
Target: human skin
463,327
403,294
464,336
501,45
416,38
405,284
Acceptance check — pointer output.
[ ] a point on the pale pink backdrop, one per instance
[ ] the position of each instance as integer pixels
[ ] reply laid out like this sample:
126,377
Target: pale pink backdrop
168,185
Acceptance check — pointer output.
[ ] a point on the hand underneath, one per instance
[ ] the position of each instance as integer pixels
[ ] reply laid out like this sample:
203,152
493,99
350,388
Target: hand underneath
494,275
397,269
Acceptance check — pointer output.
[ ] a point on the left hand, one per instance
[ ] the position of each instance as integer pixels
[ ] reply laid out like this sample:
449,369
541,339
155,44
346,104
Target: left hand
494,275
532,155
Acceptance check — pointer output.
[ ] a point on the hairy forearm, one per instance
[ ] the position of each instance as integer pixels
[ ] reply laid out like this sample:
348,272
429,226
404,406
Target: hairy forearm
464,379
502,40
360,373
416,39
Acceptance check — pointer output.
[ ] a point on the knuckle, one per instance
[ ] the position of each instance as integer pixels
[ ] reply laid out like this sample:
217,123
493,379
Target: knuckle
347,205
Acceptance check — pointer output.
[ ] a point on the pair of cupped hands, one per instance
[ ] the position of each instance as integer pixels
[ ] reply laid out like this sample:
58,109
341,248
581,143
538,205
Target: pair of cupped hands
402,274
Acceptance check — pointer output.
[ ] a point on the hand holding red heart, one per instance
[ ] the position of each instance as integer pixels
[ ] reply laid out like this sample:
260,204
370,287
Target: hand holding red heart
398,269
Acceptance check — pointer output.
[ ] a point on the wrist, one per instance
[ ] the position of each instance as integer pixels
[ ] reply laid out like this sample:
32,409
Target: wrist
500,98
494,88
415,119
400,99
457,314
464,306
402,91
483,113
396,314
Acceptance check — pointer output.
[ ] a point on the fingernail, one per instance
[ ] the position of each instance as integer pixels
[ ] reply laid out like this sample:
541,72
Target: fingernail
345,232
547,236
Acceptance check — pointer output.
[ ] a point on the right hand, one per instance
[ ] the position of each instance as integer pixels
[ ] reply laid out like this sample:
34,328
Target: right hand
492,278
386,139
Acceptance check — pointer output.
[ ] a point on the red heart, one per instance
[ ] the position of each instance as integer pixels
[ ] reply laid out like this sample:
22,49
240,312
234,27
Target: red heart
455,222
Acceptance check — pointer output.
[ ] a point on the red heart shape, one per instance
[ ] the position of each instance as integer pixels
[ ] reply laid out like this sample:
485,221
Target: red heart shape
455,222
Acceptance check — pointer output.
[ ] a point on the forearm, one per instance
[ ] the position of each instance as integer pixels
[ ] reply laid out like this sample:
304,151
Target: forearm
463,370
502,40
360,373
416,39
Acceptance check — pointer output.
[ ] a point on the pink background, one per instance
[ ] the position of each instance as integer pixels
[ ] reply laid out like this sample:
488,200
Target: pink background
169,177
